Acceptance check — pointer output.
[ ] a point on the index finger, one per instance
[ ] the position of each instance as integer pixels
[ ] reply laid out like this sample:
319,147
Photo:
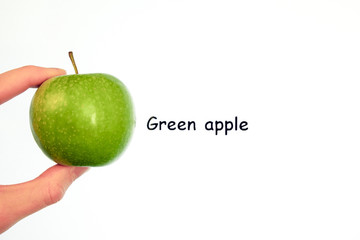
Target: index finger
18,80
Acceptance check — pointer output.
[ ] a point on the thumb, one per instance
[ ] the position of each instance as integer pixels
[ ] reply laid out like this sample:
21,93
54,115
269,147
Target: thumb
53,183
20,200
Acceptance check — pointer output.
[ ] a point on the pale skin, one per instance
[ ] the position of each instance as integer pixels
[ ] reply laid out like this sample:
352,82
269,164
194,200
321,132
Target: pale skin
21,200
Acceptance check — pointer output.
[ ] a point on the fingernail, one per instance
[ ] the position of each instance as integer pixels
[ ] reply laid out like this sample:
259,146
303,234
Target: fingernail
57,71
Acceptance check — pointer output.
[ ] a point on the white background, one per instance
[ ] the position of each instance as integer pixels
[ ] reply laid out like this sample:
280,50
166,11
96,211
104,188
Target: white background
289,68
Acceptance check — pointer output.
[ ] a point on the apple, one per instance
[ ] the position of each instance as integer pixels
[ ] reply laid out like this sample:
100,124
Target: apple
82,119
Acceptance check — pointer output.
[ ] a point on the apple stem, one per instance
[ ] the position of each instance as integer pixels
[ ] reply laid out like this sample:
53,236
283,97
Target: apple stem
73,62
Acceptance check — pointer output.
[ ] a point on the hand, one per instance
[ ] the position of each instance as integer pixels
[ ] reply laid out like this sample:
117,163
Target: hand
20,200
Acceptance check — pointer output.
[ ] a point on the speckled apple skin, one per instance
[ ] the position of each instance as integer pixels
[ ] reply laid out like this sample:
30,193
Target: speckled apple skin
82,119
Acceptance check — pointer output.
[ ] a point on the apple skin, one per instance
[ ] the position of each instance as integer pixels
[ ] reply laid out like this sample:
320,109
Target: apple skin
82,119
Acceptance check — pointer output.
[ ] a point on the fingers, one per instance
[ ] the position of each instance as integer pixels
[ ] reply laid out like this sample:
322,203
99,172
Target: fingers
20,200
18,80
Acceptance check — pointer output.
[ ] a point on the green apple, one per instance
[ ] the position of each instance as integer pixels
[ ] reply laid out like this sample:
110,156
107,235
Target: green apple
82,119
